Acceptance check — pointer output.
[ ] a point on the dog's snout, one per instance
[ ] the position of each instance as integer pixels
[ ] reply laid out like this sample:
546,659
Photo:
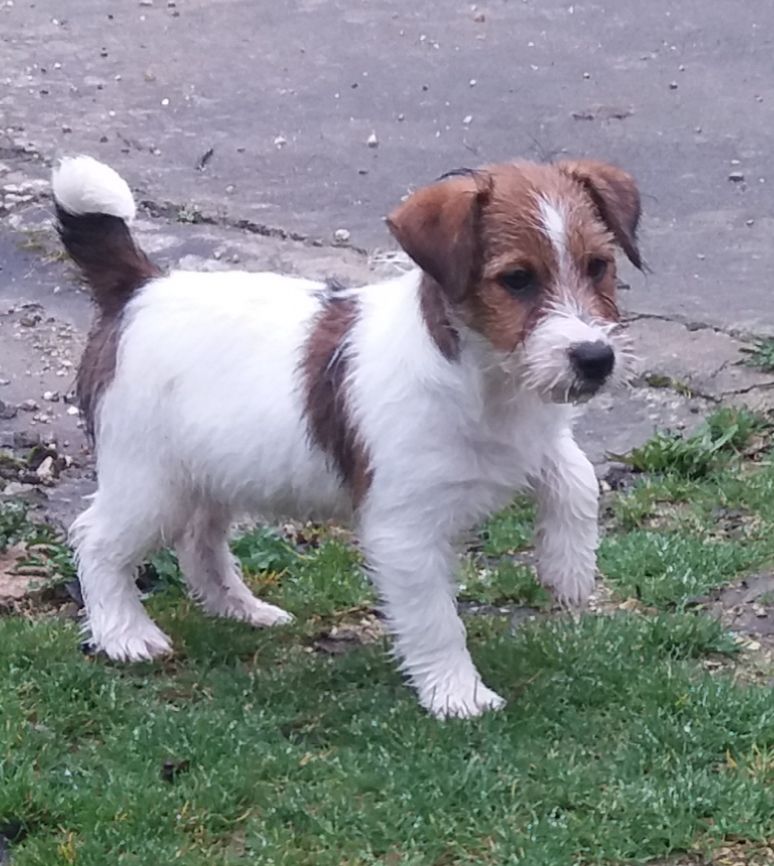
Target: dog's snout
593,361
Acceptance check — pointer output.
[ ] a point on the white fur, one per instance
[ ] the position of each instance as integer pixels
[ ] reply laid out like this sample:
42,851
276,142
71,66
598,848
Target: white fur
555,226
204,420
83,185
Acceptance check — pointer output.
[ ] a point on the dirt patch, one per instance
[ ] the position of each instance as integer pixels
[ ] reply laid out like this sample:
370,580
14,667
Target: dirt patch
345,637
732,854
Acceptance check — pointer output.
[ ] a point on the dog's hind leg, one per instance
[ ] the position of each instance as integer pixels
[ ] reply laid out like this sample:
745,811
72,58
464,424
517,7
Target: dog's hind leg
110,539
213,575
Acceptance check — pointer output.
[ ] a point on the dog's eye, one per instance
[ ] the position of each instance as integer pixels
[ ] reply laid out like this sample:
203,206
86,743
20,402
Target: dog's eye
520,281
596,269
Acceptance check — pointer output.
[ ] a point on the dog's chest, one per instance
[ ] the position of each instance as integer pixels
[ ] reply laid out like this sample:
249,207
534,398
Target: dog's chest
509,449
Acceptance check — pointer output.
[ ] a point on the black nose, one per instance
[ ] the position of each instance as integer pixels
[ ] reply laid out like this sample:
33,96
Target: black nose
593,361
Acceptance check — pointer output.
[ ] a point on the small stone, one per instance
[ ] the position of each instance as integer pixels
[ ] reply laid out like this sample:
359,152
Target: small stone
697,130
472,82
401,117
7,412
341,236
46,470
681,68
146,2
66,128
468,119
165,101
736,176
26,439
587,75
736,162
51,396
30,320
73,410
280,141
750,222
673,85
479,17
230,188
372,140
29,406
14,488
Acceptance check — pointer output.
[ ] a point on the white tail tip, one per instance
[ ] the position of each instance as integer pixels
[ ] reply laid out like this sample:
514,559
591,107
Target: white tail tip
83,185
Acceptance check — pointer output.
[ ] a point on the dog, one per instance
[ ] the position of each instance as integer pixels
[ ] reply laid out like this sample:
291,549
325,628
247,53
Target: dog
415,406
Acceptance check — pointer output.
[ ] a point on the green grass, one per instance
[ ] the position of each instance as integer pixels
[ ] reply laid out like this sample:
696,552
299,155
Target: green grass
613,748
616,746
723,435
761,354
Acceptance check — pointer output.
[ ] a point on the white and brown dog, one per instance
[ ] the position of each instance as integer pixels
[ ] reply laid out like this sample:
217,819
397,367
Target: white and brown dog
417,406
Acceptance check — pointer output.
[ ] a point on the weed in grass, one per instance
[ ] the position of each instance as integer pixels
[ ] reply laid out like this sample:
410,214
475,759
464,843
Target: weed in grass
723,435
761,354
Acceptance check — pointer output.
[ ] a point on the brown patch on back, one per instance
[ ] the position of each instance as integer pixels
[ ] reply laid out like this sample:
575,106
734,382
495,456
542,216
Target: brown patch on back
324,368
97,367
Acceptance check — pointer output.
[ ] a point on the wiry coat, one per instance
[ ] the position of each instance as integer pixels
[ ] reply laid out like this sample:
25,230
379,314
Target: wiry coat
416,406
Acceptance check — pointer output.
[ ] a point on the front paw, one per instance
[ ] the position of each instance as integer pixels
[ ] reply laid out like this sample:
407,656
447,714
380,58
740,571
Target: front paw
459,696
570,589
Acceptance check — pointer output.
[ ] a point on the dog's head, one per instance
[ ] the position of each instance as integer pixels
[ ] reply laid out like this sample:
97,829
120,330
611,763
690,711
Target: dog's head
523,255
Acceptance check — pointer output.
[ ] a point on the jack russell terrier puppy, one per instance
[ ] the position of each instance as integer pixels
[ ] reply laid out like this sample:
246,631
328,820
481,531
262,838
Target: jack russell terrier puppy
415,406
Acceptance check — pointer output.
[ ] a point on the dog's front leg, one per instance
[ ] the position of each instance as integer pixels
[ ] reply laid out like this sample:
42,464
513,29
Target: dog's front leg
413,568
567,531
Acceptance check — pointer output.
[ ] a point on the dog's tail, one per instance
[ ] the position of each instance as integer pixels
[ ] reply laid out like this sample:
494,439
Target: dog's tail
94,207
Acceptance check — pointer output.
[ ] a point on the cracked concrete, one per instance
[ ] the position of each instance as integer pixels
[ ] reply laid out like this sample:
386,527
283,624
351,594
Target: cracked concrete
256,153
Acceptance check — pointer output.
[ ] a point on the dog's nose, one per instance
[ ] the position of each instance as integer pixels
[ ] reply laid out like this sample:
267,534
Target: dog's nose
593,361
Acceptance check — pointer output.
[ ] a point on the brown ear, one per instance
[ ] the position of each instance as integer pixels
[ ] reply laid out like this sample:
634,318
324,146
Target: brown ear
438,227
616,198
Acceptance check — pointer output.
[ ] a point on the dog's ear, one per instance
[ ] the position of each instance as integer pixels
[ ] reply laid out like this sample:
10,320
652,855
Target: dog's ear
616,198
438,227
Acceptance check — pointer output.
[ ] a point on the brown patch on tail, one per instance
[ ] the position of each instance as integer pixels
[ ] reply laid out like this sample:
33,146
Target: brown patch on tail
115,269
103,248
325,367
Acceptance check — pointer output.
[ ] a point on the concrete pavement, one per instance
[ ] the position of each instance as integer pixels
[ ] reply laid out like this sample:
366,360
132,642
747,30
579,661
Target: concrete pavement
245,126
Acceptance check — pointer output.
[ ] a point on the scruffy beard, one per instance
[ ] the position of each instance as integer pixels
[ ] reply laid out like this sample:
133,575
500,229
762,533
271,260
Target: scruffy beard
544,360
